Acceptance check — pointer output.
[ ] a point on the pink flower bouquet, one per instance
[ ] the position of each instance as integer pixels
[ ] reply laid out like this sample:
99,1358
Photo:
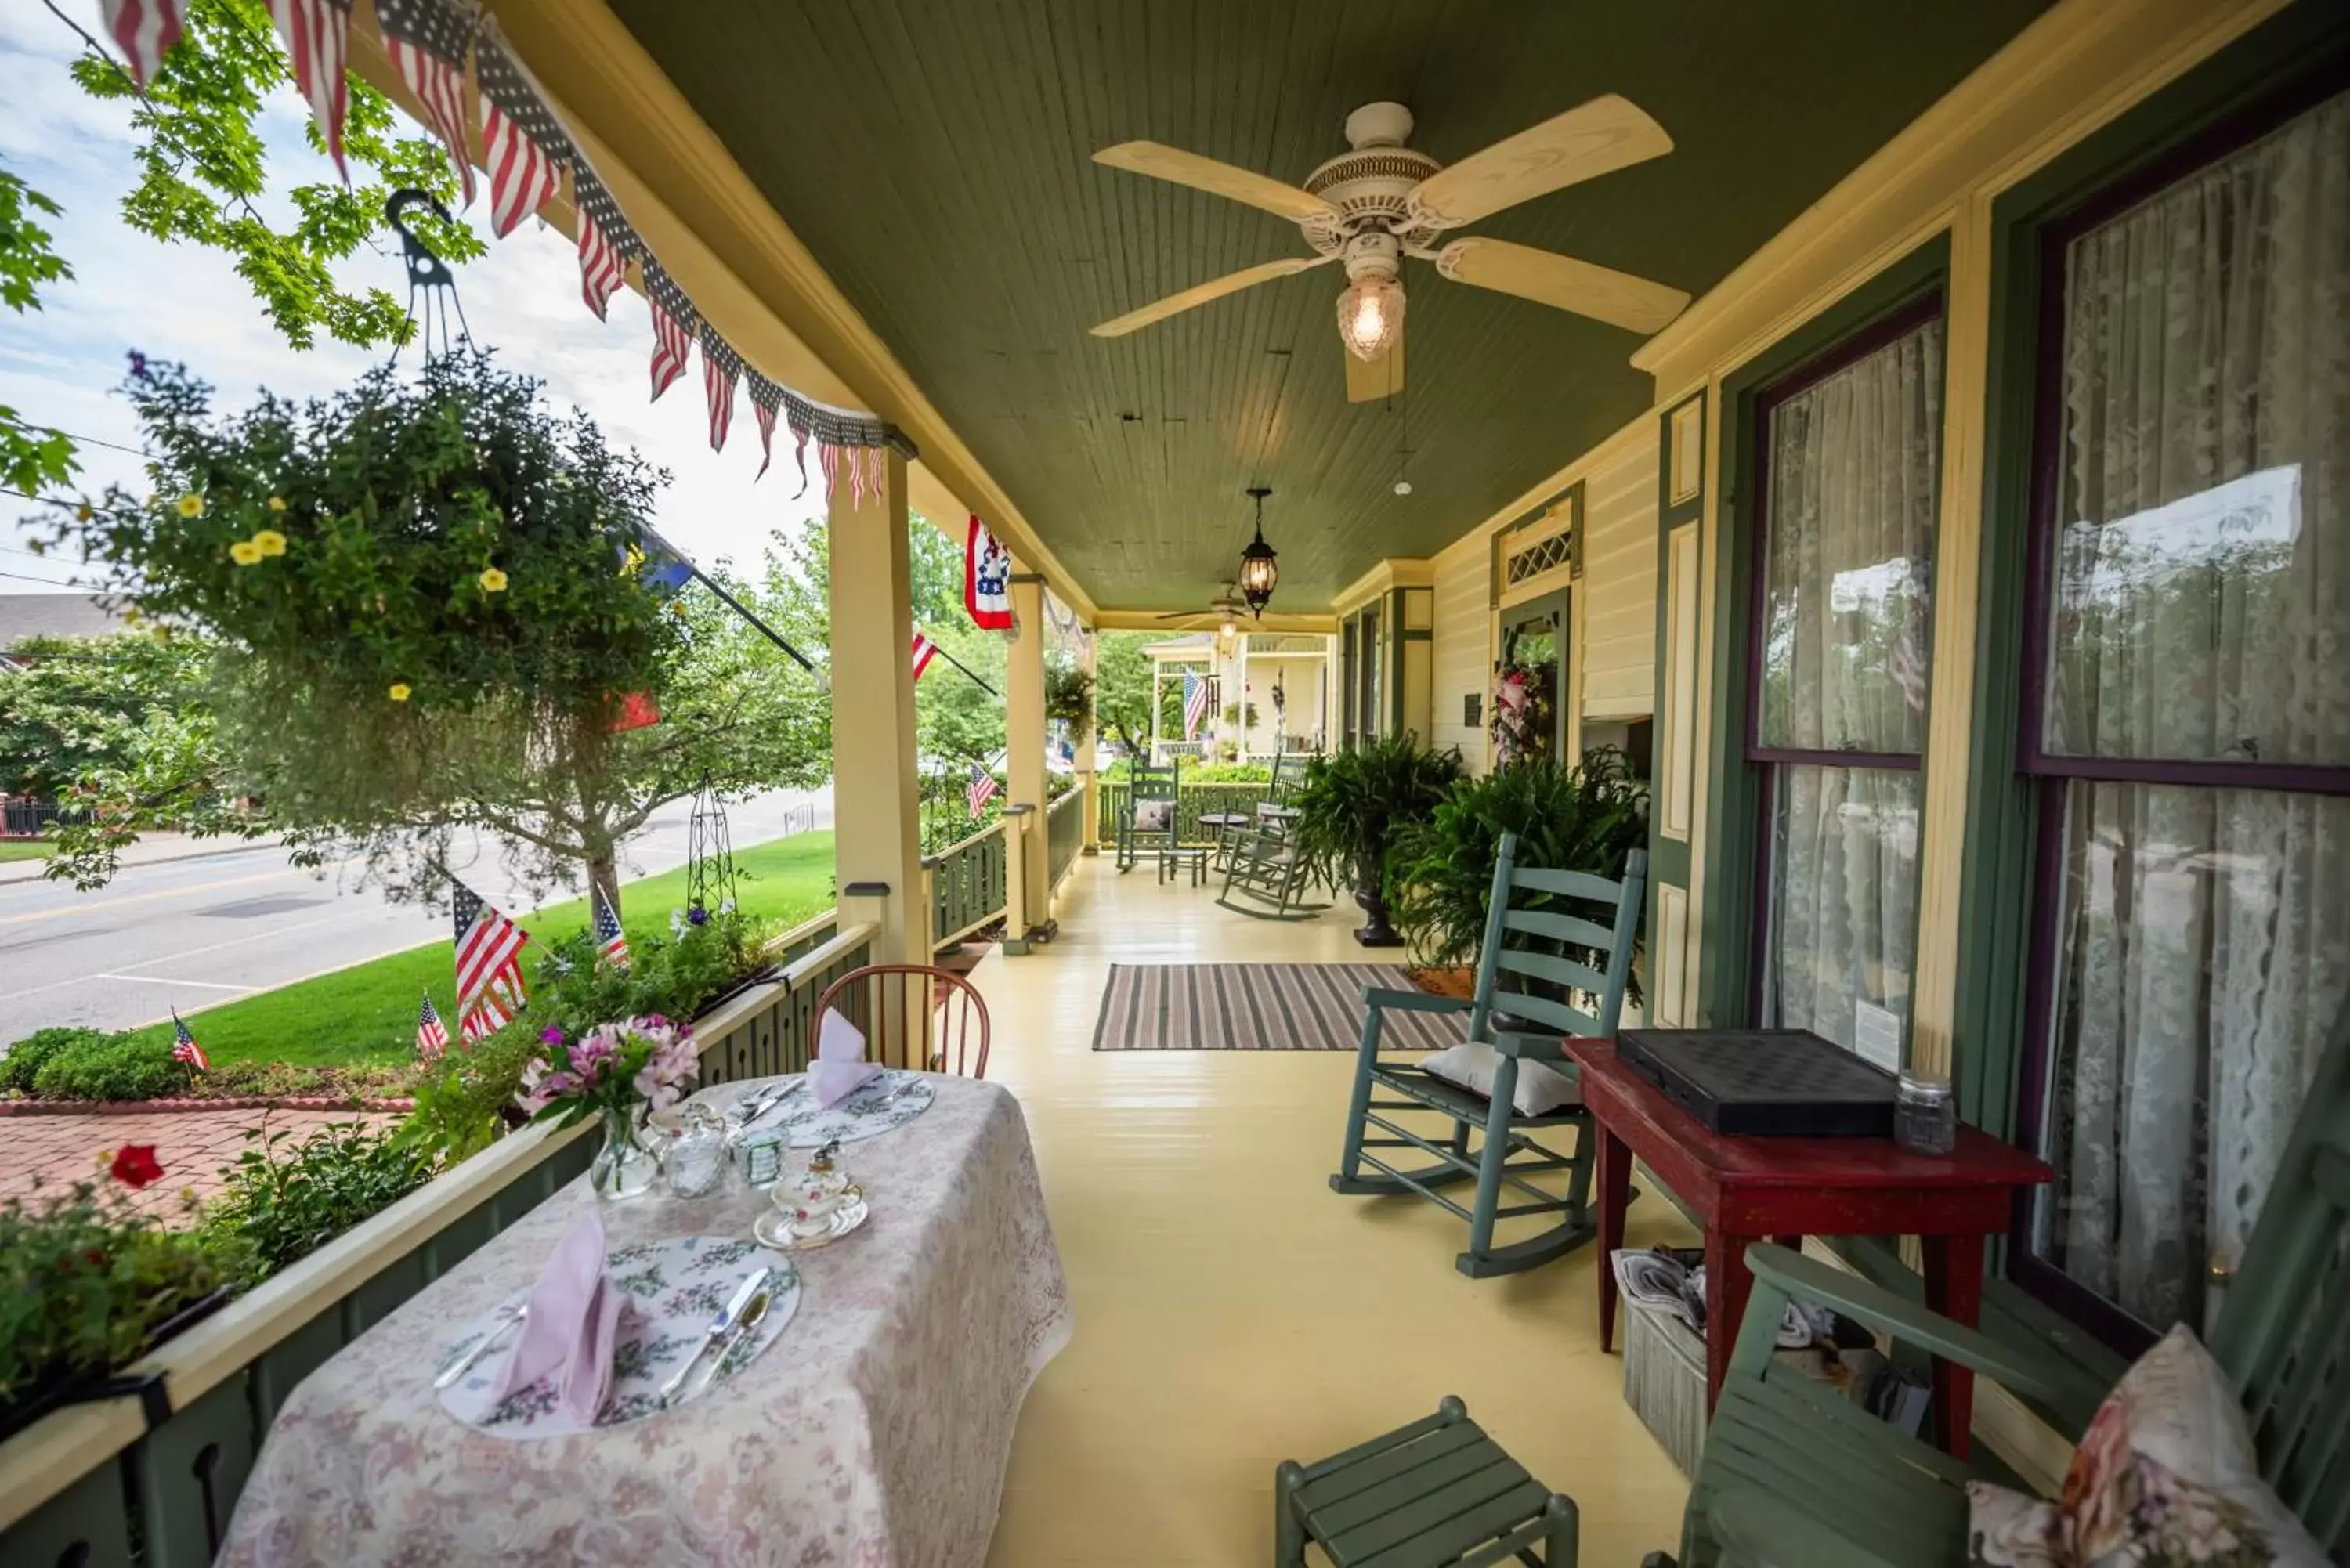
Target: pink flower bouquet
611,1068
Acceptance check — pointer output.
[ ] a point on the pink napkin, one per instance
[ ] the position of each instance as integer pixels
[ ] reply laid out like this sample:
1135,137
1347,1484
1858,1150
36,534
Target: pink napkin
840,1064
573,1327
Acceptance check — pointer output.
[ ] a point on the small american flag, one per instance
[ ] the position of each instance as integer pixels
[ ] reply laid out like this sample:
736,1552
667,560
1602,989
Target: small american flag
522,144
184,1047
425,41
980,790
720,368
610,936
432,1034
317,34
146,29
1195,703
606,240
673,321
924,651
489,979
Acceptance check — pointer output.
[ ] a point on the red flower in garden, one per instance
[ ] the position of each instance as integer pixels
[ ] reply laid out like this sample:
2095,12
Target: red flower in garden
135,1164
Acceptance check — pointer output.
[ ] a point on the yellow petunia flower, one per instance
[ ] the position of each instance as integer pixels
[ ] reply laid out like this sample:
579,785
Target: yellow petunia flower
399,691
270,542
191,505
493,581
277,503
245,553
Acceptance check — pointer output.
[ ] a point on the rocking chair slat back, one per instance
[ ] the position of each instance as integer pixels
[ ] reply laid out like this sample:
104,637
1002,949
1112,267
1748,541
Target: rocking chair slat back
1559,928
1522,977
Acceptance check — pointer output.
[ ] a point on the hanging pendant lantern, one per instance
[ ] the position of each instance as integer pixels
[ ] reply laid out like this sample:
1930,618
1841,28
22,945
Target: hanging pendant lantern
1259,573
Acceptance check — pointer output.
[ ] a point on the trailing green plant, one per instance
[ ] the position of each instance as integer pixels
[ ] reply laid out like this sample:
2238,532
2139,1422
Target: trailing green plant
1069,698
86,1277
1440,870
110,1067
286,1200
27,1057
1351,804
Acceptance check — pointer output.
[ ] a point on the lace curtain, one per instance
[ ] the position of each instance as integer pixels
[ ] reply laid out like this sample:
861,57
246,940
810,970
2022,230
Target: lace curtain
2202,612
1853,494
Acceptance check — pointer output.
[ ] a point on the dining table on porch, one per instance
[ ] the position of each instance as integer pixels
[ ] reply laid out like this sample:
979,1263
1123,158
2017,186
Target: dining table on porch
874,1430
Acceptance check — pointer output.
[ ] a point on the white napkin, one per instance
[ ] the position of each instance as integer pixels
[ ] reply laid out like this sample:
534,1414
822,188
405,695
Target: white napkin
840,1064
573,1327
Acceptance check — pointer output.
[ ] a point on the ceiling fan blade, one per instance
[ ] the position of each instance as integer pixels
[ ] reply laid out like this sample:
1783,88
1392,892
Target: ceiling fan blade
1200,292
1601,292
1369,380
1162,161
1605,134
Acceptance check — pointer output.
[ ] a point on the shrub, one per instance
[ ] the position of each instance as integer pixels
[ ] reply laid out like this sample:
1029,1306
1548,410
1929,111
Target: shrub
27,1056
287,1199
1351,804
110,1067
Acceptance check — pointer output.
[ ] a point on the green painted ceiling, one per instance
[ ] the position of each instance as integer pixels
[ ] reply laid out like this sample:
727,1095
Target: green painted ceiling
934,154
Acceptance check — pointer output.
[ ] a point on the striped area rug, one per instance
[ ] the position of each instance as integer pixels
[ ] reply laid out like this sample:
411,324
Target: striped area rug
1257,1007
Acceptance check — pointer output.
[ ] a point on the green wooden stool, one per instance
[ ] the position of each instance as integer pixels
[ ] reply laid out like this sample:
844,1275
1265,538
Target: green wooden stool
1435,1494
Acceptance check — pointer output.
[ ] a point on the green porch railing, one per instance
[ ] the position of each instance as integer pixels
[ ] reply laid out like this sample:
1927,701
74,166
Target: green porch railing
1190,800
1065,834
164,1468
967,884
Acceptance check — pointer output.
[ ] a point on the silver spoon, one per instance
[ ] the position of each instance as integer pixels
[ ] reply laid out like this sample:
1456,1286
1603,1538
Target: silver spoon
745,1327
464,1363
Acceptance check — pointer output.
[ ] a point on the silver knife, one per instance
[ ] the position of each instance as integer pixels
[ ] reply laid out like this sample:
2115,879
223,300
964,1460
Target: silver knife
716,1332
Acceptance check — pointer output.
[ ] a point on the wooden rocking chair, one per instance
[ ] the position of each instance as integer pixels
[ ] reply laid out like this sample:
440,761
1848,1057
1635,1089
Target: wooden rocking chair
1530,934
1149,820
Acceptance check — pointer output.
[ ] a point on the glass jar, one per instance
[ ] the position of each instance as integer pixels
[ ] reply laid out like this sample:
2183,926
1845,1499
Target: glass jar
623,1168
694,1153
762,1154
1925,1115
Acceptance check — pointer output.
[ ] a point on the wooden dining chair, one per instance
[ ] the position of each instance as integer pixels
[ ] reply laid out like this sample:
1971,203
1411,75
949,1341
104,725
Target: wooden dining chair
950,1037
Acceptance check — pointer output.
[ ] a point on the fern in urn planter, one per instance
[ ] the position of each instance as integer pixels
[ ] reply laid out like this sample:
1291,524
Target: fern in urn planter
1350,808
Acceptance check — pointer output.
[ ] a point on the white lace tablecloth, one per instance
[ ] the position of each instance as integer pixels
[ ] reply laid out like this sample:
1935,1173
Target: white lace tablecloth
874,1434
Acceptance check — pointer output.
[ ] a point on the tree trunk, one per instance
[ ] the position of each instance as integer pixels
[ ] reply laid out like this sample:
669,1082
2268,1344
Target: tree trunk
604,874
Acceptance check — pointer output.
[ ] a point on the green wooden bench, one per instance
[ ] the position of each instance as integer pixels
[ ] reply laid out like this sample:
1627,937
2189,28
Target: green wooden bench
1439,1494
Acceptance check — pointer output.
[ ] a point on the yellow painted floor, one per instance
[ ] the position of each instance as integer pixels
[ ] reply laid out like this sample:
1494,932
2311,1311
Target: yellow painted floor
1231,1311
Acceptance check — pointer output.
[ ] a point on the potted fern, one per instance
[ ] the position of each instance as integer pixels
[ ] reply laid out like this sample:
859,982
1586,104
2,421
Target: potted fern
1351,806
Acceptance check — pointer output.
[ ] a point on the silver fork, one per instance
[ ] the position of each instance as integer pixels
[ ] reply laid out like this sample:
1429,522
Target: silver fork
464,1363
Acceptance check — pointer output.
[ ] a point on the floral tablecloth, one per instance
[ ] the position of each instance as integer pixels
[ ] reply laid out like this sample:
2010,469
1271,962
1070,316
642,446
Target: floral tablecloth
874,1434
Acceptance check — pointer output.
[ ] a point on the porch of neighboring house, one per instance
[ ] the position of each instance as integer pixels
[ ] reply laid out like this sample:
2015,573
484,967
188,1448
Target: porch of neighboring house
1268,695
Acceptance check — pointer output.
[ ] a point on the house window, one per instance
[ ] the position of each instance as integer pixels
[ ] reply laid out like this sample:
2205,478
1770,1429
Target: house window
1848,452
2188,715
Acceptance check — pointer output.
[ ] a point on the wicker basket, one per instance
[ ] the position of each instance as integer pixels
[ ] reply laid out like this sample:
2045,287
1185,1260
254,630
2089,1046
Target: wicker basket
1664,1380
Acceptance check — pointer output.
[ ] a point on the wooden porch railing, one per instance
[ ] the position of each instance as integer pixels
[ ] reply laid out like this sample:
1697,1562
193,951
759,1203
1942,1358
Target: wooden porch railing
164,1468
1190,800
1065,834
967,884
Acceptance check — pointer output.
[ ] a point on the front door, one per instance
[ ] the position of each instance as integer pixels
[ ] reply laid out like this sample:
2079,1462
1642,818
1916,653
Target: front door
1534,660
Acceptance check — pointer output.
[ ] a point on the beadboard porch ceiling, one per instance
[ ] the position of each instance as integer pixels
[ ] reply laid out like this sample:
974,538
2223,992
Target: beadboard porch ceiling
935,157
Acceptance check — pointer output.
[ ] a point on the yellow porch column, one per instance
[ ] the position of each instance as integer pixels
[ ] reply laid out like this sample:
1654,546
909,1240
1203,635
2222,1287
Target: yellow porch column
1089,746
876,834
1023,731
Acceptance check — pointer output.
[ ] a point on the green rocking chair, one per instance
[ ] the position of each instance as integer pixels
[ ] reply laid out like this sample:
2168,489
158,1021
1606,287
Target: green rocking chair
1769,1492
1148,819
1537,951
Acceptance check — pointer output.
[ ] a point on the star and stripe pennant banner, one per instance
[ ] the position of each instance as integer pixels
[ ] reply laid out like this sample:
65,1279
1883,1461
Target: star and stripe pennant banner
673,325
720,368
146,29
605,242
522,144
317,39
426,41
767,402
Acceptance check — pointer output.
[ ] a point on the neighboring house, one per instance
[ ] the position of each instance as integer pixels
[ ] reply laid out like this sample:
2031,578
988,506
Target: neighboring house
1251,667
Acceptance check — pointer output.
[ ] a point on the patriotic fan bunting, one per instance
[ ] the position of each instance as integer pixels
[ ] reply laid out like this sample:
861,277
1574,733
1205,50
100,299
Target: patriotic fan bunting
318,36
146,29
426,41
525,147
986,578
603,234
673,324
720,368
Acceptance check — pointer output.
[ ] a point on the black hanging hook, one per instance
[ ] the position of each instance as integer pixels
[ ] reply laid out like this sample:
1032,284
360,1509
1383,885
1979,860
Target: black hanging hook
428,275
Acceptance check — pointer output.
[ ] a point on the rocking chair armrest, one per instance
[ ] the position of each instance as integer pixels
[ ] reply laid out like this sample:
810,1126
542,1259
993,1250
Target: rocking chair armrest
1528,1047
2021,1370
1756,1530
1380,997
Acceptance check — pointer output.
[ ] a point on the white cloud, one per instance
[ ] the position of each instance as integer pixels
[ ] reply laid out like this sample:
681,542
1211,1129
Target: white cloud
59,365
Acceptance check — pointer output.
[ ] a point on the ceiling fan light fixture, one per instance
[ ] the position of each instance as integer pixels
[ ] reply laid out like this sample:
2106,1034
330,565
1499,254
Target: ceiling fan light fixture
1259,572
1370,316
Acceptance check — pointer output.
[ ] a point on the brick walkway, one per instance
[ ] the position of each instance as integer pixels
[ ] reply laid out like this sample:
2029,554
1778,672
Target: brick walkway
193,1146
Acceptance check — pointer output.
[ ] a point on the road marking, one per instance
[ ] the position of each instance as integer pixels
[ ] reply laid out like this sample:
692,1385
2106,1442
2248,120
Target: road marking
158,979
271,934
66,910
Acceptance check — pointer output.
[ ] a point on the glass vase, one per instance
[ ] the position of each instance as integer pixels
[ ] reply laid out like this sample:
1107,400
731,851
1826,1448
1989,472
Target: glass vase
624,1167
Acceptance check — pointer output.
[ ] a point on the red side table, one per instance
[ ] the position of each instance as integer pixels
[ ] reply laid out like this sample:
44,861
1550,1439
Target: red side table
1748,1189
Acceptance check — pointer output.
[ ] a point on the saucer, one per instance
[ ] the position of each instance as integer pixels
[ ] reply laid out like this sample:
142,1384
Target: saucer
774,1228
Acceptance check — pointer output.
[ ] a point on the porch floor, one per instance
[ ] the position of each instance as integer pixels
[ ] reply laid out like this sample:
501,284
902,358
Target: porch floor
1231,1311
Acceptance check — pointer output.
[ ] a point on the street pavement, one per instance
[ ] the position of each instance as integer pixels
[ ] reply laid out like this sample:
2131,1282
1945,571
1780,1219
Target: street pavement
193,933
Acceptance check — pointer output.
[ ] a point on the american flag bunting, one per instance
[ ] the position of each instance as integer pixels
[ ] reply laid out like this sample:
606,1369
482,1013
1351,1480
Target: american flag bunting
980,791
673,324
432,1034
767,402
525,147
318,38
184,1047
720,368
490,988
606,240
612,941
426,41
146,29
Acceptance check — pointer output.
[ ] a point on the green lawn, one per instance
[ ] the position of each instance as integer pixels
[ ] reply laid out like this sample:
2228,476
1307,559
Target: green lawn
25,849
366,1015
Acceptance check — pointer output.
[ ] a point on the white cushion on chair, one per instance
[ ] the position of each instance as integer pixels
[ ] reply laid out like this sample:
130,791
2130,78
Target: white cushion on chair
1474,1064
1153,816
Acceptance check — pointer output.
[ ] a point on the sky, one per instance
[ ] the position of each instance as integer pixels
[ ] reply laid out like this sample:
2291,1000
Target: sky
59,365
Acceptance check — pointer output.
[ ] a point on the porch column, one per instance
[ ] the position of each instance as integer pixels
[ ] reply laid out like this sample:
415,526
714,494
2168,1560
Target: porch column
1023,731
1089,747
877,832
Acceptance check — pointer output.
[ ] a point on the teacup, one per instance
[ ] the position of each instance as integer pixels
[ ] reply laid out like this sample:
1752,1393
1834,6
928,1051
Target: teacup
811,1200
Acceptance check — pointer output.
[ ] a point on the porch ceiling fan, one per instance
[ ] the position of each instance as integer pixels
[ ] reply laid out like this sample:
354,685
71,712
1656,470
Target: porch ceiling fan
1372,207
1226,609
